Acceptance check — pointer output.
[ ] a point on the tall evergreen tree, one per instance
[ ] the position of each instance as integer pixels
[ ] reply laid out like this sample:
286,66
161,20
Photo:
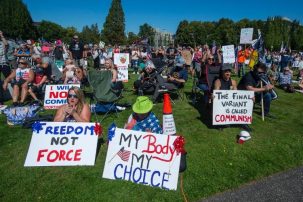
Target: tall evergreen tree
114,26
15,20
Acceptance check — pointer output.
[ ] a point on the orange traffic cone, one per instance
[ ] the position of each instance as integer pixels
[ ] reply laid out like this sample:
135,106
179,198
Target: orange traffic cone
169,127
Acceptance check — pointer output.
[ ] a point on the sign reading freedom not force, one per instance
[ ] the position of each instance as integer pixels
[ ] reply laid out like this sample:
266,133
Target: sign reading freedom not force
56,95
62,144
143,158
232,107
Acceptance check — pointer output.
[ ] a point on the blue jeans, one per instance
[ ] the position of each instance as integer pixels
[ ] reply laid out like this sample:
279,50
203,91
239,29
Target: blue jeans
267,98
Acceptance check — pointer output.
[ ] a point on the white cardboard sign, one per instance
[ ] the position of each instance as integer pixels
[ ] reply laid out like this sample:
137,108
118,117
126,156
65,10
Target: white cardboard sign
246,35
56,95
143,158
228,54
232,107
121,60
62,144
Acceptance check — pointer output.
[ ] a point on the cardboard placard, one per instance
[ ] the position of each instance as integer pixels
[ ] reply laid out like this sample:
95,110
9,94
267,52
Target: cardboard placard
246,35
228,54
56,95
232,107
143,158
121,60
62,144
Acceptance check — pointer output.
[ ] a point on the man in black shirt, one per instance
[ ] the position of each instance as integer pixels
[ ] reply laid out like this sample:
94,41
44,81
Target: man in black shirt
76,49
251,81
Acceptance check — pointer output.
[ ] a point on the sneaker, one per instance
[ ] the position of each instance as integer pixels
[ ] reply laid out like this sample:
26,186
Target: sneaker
15,104
268,115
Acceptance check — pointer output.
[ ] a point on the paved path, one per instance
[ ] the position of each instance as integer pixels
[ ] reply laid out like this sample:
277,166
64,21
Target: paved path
285,186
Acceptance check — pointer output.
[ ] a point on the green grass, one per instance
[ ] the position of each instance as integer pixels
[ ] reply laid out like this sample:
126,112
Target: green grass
215,161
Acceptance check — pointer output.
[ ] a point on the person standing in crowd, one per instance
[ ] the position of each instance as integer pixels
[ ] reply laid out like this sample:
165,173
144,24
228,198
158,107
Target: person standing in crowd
4,67
76,110
186,54
12,47
76,50
20,79
135,54
251,81
241,63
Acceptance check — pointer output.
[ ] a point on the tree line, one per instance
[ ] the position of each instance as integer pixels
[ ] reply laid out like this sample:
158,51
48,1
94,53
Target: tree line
16,22
275,30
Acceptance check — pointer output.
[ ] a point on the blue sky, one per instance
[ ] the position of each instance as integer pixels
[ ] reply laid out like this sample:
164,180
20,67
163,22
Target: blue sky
162,14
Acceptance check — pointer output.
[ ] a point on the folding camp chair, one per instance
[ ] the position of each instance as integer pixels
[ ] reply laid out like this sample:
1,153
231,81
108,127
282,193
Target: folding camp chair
103,94
208,74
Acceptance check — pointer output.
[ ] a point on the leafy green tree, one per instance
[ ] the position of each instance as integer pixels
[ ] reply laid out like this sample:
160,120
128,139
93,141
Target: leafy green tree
132,37
50,31
90,34
69,32
15,19
114,26
183,35
147,31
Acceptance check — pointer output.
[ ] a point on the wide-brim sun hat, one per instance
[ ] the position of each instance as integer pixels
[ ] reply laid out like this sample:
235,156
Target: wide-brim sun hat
142,105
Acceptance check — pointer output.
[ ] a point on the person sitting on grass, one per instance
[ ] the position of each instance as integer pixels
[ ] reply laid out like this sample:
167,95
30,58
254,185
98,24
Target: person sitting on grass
147,80
76,110
20,78
36,87
285,80
224,82
143,119
252,80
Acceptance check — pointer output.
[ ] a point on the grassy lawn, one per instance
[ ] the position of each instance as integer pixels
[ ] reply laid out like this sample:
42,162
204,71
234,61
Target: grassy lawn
215,162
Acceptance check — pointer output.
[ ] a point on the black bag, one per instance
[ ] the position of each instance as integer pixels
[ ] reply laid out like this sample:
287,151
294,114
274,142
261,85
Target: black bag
28,122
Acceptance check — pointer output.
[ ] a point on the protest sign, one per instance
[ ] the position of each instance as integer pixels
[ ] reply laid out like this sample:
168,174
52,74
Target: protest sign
246,35
56,95
228,54
62,144
232,107
143,158
121,60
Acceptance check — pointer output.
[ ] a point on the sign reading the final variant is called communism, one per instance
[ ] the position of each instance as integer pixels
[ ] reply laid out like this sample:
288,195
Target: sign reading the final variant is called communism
232,107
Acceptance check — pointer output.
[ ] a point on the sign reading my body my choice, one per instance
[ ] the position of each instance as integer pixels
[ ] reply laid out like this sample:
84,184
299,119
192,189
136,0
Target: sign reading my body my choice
143,158
56,95
232,107
62,144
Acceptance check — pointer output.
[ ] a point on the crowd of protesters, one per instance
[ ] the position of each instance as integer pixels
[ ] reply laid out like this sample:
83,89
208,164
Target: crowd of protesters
29,65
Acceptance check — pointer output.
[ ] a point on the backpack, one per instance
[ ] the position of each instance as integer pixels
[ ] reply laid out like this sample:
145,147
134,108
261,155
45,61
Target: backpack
17,115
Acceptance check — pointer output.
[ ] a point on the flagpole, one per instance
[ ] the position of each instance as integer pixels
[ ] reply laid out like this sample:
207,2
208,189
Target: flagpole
262,104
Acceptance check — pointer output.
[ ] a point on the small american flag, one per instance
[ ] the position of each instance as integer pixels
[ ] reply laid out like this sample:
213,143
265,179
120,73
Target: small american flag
124,154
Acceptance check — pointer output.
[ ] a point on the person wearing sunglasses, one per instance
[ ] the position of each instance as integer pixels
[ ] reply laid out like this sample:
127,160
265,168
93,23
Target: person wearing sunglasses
20,78
76,110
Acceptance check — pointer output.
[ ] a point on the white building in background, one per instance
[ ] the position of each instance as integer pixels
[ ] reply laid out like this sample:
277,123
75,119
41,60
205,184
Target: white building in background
163,38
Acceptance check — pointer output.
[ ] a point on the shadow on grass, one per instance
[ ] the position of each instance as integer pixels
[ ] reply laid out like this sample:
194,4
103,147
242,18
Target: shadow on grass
99,144
204,109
